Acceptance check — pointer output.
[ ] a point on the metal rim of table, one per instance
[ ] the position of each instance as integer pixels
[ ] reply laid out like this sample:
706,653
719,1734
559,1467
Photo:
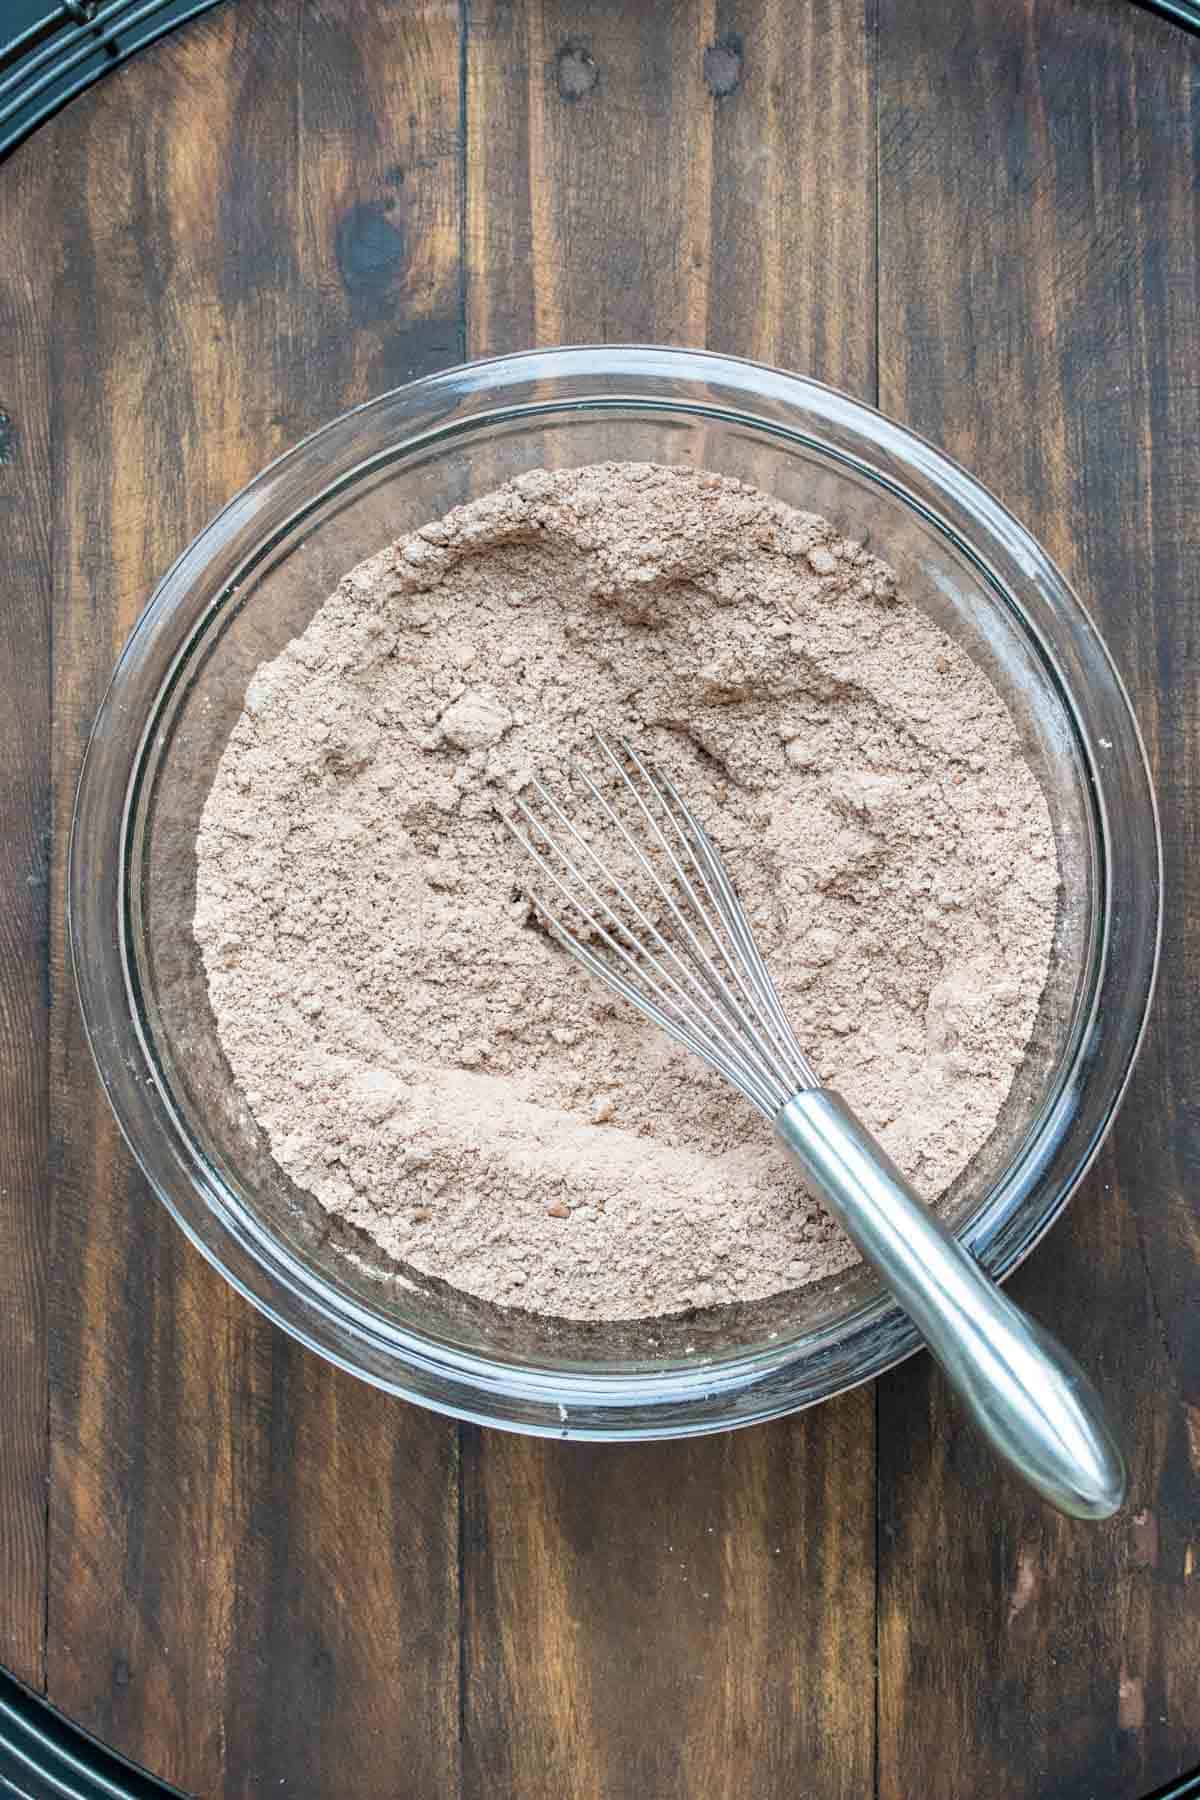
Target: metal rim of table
63,49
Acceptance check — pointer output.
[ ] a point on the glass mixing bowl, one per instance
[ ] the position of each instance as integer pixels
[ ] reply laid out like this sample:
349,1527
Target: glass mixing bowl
252,581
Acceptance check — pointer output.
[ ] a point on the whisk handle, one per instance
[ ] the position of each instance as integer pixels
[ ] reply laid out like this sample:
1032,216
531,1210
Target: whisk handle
1029,1397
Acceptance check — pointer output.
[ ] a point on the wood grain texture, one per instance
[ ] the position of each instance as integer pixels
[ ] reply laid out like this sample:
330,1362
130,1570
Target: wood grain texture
684,1619
665,177
672,1619
253,1579
589,161
1039,266
792,216
27,270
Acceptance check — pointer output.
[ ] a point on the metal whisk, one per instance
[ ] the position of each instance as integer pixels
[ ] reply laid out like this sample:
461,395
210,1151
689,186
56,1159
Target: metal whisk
672,938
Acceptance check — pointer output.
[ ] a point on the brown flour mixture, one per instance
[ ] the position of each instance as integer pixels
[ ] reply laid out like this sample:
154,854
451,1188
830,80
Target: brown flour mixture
443,1077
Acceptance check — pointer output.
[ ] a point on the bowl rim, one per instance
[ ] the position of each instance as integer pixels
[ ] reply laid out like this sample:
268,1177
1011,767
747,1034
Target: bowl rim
571,1401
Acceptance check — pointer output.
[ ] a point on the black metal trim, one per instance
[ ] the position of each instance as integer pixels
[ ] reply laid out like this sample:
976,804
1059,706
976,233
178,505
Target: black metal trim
66,45
1180,12
1186,1788
44,1757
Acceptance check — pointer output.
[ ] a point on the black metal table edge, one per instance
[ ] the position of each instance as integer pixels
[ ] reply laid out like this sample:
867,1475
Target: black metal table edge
1180,12
60,47
43,1756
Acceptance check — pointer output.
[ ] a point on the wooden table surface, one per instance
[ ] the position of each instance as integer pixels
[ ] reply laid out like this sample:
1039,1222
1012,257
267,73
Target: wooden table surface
235,1564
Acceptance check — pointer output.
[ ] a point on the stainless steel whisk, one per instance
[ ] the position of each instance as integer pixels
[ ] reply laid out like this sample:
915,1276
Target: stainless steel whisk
698,974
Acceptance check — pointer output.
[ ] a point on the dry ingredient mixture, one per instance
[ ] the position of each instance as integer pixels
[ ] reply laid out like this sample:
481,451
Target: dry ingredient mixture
444,1077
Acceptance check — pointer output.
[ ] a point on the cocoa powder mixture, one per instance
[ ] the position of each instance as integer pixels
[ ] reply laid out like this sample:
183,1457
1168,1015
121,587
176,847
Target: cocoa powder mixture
445,1077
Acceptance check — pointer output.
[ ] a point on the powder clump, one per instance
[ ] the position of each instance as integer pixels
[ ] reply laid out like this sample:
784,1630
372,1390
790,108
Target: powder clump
440,1075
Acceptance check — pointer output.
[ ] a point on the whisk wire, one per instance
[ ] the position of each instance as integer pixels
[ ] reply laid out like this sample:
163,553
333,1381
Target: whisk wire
680,1018
699,991
728,908
681,876
726,902
710,990
704,1048
718,993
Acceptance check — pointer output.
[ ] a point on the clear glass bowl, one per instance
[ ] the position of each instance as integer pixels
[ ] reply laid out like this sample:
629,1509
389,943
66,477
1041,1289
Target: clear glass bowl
252,581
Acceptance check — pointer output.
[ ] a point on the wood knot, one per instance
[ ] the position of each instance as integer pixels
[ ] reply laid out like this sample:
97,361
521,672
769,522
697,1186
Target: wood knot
723,64
370,248
576,72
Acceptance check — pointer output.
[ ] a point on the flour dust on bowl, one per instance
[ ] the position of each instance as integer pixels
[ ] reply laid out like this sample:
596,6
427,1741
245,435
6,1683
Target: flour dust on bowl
251,586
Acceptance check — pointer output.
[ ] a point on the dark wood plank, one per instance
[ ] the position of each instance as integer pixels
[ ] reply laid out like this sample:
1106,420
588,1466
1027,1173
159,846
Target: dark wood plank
678,1619
253,1581
753,231
691,1618
792,230
1039,265
27,270
588,174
